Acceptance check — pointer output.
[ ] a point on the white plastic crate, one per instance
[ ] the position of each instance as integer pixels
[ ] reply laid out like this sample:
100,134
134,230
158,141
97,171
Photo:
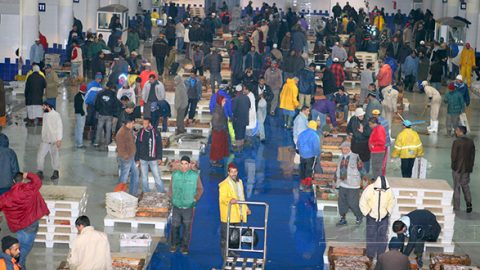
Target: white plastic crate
135,240
121,204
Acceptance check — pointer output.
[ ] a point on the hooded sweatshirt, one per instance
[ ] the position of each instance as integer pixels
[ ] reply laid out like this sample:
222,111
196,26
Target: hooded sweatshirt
8,163
377,199
289,96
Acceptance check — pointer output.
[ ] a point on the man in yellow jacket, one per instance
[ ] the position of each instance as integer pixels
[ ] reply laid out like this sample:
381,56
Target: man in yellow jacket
231,191
467,61
408,146
289,101
376,204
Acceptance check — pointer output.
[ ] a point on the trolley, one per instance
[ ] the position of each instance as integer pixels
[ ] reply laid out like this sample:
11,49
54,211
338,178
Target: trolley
246,263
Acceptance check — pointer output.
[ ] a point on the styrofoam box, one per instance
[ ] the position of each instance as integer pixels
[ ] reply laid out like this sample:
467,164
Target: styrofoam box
135,240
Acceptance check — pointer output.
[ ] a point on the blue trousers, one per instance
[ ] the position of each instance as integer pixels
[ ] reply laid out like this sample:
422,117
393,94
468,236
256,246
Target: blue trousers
25,238
127,167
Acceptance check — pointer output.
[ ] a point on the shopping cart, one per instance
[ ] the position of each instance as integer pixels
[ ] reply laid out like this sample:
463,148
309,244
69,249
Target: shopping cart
246,243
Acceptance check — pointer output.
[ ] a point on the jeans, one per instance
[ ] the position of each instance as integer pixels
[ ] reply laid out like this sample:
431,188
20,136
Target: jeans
104,120
323,118
75,70
126,167
344,109
215,77
43,150
180,44
273,107
191,107
199,69
53,102
25,238
261,115
145,164
79,126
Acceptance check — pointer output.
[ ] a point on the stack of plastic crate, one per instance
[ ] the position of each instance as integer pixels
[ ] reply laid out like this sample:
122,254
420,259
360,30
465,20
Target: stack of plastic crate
66,204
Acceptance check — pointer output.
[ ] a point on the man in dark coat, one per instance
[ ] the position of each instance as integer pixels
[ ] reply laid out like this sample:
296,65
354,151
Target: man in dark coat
240,109
8,164
393,259
463,160
329,82
34,89
159,50
419,226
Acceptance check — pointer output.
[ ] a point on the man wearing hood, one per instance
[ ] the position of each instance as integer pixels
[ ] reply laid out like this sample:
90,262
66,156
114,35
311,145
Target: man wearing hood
376,204
289,101
34,89
180,103
8,164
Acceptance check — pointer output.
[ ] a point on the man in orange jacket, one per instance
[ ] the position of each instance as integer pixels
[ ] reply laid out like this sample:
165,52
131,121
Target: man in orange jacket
10,253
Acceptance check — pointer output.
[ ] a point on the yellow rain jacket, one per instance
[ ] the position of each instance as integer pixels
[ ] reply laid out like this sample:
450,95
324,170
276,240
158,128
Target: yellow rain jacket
379,22
408,144
377,201
226,194
467,58
289,95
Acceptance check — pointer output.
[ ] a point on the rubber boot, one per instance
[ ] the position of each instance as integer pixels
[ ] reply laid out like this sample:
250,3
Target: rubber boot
419,260
285,121
430,126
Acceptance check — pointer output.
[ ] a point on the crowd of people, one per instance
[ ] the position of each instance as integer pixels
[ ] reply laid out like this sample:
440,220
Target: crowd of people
271,75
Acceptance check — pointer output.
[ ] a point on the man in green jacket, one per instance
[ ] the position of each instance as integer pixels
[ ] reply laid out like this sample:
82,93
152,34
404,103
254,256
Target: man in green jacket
185,190
455,107
133,40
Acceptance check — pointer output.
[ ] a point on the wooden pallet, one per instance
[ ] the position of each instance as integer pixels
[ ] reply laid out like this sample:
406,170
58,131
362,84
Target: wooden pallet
134,222
196,130
49,243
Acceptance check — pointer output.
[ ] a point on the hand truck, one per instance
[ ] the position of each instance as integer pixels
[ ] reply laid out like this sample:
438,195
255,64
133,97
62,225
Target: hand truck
246,263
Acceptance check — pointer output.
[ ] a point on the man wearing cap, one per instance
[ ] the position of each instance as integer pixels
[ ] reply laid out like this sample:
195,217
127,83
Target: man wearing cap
377,146
350,172
52,134
308,145
185,190
79,107
37,53
10,253
376,203
34,88
433,101
408,146
455,107
393,259
467,62
51,91
23,207
160,50
360,131
462,88
230,193
126,91
306,85
149,154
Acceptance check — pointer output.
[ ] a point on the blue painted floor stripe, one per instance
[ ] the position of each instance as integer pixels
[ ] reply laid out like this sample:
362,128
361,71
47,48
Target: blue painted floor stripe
295,233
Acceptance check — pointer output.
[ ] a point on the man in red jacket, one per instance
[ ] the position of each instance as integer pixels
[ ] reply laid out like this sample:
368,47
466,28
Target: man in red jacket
23,206
377,145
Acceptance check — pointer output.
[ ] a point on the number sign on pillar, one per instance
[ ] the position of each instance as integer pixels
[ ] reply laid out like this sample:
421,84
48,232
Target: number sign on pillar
42,7
76,1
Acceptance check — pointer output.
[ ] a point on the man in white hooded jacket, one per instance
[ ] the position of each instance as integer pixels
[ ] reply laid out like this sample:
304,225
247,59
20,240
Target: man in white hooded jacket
52,134
376,203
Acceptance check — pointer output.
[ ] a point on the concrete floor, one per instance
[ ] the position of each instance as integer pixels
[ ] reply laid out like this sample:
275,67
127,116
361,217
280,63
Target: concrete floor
97,171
